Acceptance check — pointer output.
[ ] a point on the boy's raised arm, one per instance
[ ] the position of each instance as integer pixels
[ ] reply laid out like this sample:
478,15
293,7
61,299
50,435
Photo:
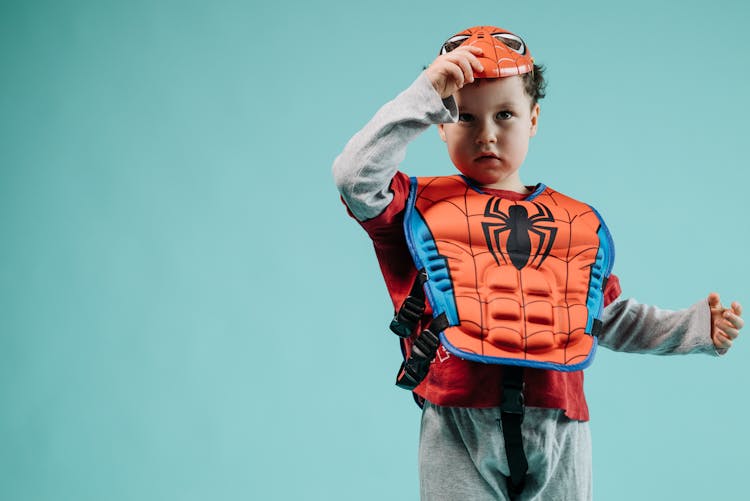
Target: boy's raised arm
364,169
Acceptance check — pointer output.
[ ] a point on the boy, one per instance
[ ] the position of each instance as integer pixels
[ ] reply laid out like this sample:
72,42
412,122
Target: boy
476,442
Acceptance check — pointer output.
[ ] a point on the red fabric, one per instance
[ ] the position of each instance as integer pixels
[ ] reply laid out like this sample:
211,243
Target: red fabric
452,381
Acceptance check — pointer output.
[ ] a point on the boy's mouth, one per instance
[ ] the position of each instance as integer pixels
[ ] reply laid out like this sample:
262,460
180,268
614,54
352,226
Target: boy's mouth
488,156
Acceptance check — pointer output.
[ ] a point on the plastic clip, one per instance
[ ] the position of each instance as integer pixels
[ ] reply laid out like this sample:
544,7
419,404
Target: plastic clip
513,401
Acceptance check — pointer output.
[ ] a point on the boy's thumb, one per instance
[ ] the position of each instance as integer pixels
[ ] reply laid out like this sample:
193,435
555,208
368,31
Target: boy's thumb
714,301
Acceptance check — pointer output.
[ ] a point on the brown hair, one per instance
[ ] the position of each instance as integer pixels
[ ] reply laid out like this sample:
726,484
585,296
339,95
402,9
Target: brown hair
534,83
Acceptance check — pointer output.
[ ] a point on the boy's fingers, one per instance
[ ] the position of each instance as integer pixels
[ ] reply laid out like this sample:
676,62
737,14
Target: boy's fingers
462,59
465,66
476,64
737,308
456,75
471,53
727,341
714,301
734,320
473,49
723,340
728,331
466,59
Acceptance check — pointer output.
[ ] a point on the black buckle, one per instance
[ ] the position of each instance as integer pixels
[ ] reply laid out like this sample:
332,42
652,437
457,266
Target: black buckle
412,372
426,344
415,369
596,327
405,321
410,313
513,401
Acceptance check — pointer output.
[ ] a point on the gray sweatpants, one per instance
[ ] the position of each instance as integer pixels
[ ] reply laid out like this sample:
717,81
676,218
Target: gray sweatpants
462,455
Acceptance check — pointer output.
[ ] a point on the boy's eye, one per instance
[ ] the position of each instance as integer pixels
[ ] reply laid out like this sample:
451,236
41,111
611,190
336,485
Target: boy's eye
504,115
465,117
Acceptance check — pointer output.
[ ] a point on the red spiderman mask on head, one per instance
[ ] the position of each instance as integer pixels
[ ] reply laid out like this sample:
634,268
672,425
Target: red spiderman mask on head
505,54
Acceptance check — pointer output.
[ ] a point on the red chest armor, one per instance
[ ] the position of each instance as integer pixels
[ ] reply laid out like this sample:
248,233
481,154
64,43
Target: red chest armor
520,282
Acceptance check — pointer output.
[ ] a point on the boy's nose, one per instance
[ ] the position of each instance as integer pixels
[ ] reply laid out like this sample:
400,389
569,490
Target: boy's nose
486,134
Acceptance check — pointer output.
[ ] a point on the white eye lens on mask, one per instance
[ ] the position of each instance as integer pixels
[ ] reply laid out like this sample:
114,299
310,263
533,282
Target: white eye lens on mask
511,41
453,43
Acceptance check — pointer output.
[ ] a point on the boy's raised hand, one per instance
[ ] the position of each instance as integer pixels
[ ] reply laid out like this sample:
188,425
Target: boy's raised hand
451,71
725,322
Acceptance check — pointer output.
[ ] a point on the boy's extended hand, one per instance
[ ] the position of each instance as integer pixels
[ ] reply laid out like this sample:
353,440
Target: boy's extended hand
449,72
725,322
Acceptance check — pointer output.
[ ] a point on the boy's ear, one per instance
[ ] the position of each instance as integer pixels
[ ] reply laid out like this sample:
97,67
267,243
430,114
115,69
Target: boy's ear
441,131
534,120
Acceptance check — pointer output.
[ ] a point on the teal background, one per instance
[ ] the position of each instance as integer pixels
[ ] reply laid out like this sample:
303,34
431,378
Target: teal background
186,311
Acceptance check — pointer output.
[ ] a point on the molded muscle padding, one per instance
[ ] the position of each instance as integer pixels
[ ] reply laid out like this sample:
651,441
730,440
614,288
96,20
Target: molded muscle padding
519,281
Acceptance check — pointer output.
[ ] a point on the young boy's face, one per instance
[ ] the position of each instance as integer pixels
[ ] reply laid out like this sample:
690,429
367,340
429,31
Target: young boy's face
490,141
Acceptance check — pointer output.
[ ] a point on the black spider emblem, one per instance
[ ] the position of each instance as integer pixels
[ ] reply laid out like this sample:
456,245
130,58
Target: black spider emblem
519,225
